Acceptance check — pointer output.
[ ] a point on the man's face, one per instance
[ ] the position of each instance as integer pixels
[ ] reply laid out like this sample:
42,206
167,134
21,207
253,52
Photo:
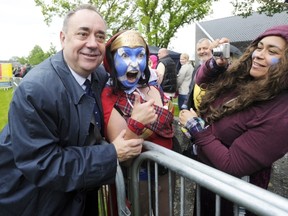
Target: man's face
203,51
83,43
130,64
161,54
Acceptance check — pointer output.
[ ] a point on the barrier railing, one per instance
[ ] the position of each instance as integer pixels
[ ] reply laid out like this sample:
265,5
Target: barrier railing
5,82
245,195
15,82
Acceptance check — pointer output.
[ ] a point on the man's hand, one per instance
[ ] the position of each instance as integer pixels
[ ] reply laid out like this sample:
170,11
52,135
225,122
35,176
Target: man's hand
127,149
143,112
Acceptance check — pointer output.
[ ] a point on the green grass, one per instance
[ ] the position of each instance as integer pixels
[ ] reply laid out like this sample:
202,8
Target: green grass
5,99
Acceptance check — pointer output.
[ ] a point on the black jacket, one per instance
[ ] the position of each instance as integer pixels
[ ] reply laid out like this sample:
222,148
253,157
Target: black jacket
169,82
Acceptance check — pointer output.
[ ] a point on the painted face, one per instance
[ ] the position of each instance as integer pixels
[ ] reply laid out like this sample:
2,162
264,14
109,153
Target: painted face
267,53
130,64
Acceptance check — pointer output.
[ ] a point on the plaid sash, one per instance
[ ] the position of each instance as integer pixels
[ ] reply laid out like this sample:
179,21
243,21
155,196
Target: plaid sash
162,126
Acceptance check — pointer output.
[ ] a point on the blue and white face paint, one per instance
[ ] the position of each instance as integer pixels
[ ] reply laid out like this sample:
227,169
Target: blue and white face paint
274,60
271,61
130,64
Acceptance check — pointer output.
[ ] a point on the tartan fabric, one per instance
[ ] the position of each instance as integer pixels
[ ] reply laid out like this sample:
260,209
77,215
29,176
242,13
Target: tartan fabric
195,125
162,126
135,126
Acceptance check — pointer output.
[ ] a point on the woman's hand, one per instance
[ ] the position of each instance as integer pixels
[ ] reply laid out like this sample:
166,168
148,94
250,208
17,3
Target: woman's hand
185,115
143,112
221,62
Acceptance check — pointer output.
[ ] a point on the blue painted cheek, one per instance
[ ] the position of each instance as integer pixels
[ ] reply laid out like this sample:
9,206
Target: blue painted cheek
120,66
274,61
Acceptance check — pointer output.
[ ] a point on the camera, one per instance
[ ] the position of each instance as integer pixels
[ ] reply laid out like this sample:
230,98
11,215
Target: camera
223,51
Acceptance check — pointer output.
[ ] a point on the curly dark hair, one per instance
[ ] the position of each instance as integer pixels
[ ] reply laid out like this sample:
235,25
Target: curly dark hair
248,90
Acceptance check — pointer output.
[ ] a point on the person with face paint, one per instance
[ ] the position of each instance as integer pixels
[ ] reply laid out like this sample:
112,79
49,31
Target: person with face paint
130,103
241,126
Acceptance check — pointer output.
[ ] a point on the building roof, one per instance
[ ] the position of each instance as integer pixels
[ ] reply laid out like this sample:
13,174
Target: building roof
239,29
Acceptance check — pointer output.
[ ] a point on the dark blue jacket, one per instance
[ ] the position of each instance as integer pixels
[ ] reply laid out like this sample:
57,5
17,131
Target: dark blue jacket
47,165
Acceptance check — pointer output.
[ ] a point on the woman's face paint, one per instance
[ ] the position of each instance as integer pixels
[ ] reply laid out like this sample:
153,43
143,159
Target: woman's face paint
130,64
267,53
274,60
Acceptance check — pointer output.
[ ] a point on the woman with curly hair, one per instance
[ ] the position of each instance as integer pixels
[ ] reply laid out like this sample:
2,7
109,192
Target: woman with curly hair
241,126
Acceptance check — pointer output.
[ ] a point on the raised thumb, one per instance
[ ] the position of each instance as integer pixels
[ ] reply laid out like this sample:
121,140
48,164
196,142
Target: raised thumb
137,98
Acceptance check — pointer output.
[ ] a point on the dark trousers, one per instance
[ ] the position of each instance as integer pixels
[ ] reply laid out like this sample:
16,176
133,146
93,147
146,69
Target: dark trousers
91,204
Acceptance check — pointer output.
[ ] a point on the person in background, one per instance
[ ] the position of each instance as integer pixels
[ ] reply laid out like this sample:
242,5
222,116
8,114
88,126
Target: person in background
27,69
241,125
23,70
152,63
204,52
124,98
53,155
184,79
167,73
16,71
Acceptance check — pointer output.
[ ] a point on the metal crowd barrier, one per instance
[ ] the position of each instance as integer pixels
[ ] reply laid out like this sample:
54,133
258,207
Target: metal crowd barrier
5,83
106,205
243,194
15,82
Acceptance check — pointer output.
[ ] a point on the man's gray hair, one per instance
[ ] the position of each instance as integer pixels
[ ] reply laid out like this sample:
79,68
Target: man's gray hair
72,12
204,39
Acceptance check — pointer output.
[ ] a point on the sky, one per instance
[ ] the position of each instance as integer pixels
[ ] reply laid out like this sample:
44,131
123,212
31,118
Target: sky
23,27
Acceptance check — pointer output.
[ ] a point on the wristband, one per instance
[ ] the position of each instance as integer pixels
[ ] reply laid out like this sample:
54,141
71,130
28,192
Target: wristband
135,126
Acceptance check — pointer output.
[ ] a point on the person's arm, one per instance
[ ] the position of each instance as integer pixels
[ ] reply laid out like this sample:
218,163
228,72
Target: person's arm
255,149
45,145
213,67
209,71
160,72
181,75
142,114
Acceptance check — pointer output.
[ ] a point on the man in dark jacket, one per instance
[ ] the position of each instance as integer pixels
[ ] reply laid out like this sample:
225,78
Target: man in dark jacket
53,156
167,73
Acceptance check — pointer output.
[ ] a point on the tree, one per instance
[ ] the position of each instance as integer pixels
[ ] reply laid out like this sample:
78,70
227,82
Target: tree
157,20
52,50
36,55
22,60
269,7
